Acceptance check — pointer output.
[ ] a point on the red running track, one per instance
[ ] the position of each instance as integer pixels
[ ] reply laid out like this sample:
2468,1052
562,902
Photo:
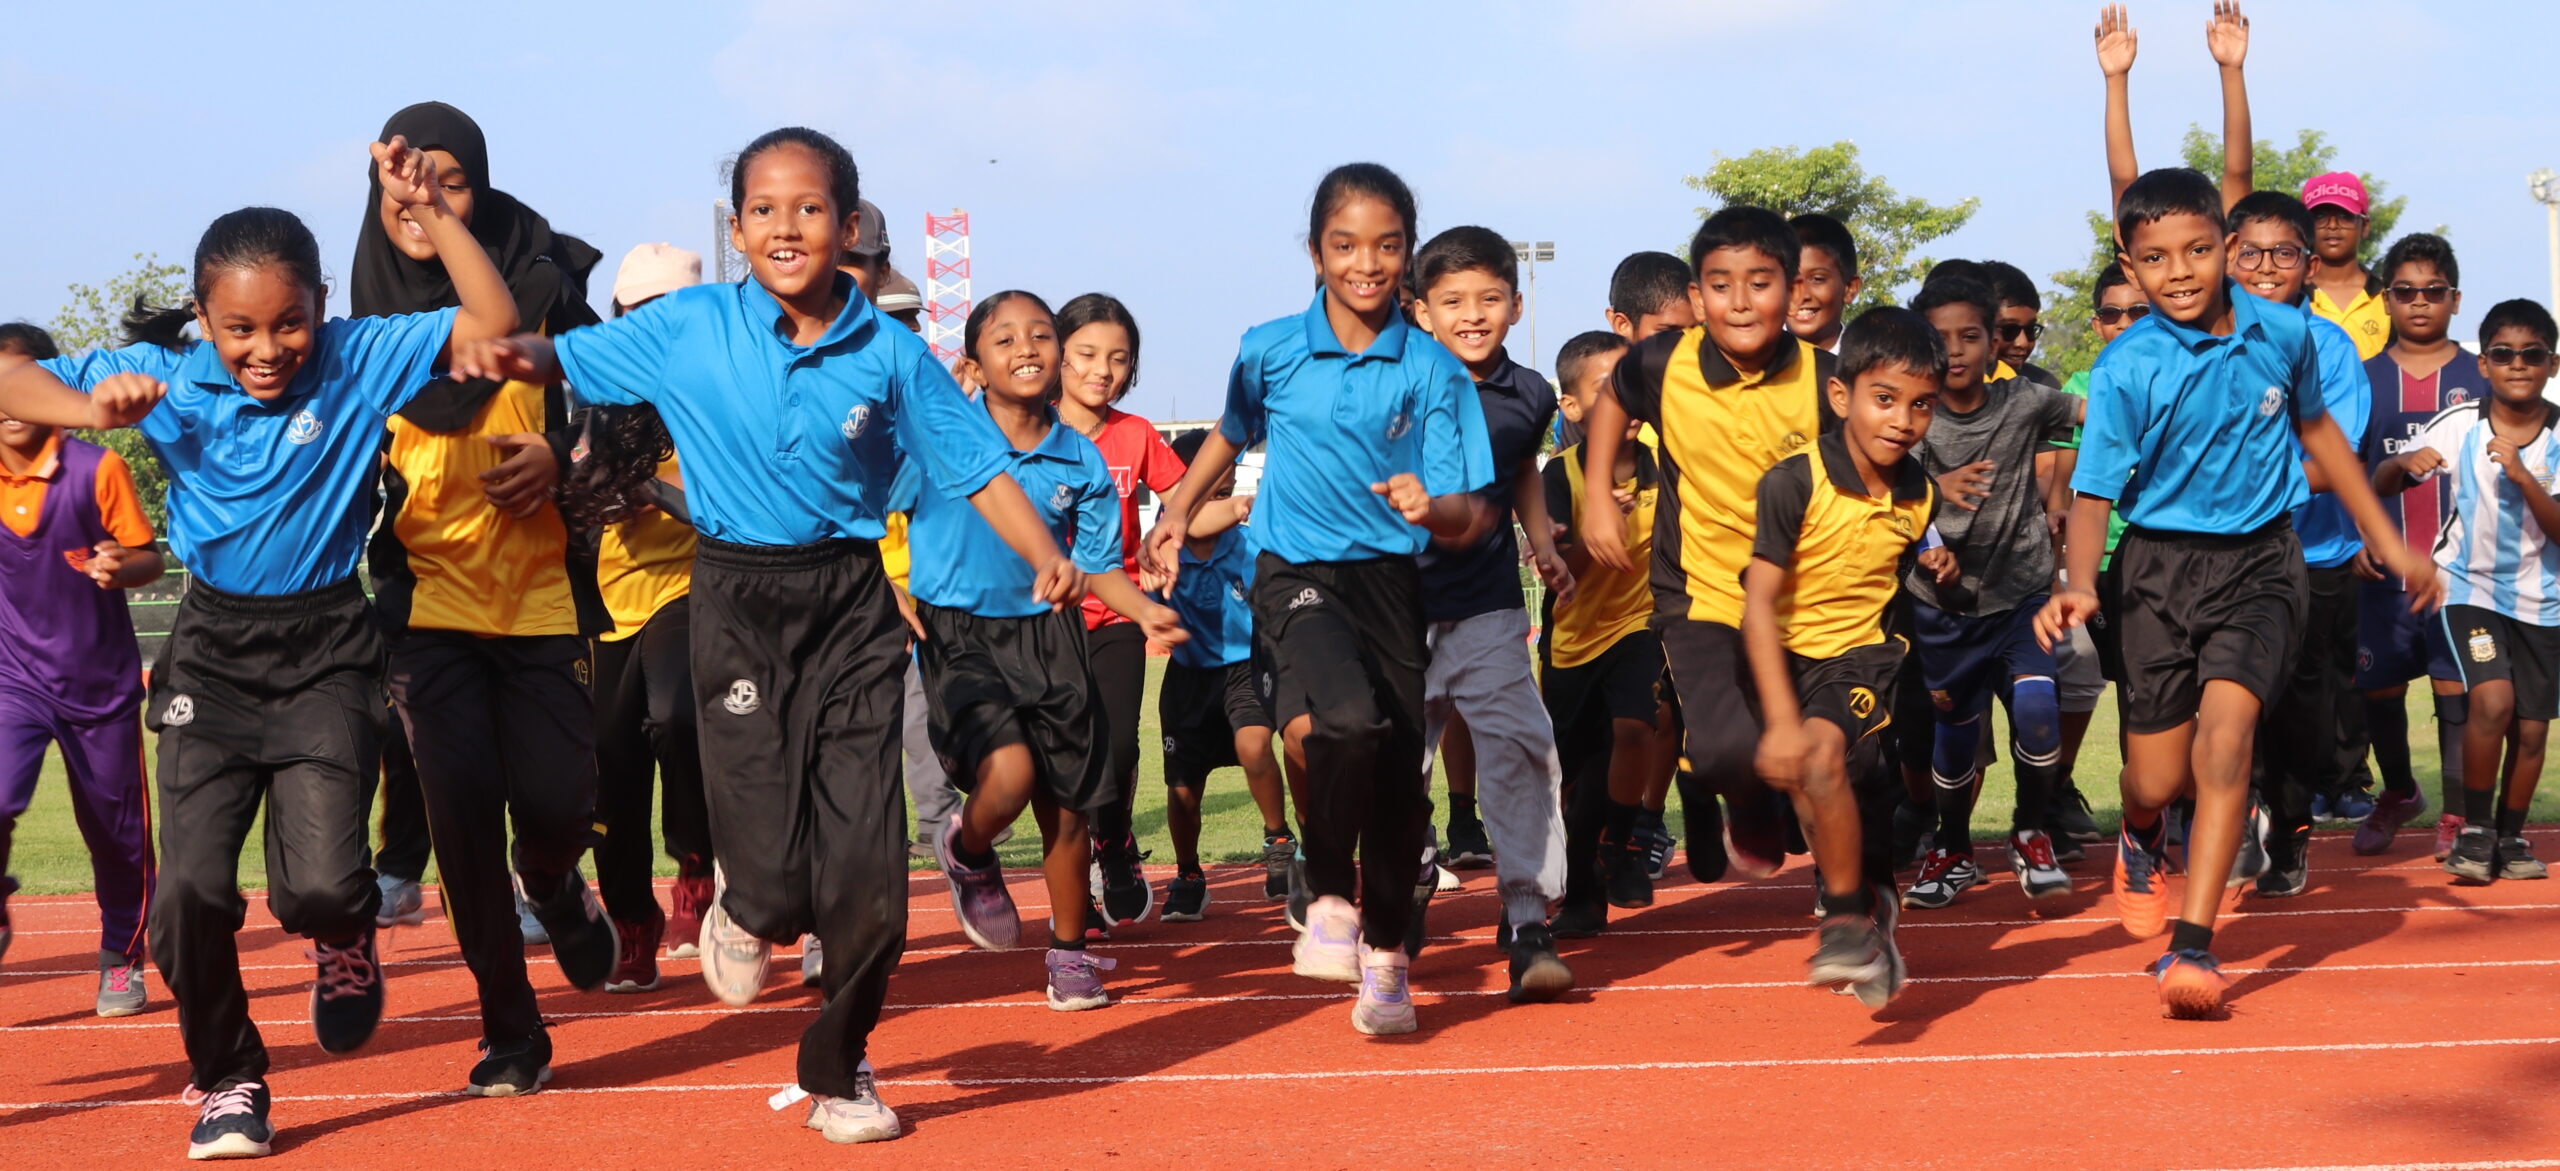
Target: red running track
2386,1019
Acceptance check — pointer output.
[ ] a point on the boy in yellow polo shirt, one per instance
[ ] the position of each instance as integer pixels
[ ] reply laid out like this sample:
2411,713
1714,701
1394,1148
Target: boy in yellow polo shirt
1838,525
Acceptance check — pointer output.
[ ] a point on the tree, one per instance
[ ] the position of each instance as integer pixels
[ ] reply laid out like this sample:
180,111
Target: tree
94,318
2071,345
1828,179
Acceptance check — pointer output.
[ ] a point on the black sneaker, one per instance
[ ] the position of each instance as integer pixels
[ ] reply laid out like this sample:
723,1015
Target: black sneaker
2288,870
2516,861
346,997
1276,855
1127,897
1299,893
2072,819
1468,848
1538,974
1416,932
583,942
231,1123
1874,993
1657,842
1579,920
1702,824
2252,859
2475,855
1187,898
1622,874
513,1068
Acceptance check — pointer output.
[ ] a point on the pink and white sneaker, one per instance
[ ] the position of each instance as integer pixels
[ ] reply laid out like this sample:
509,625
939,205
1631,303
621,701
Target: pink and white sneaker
1385,1006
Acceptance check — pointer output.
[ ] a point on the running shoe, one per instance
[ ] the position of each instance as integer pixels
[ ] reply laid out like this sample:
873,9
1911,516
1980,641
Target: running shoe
1328,948
120,987
1127,897
1448,883
2448,827
978,897
346,996
582,936
403,903
1657,841
1703,823
514,1068
1579,920
2191,985
1300,894
2071,817
1538,974
2390,812
862,1118
2352,805
1186,899
2142,888
1877,992
734,962
2475,855
635,964
2515,862
528,924
1386,996
2288,867
1755,835
1469,848
231,1122
2320,808
1944,876
1846,951
813,962
1624,868
1417,931
2251,861
2039,872
691,894
1277,850
1075,980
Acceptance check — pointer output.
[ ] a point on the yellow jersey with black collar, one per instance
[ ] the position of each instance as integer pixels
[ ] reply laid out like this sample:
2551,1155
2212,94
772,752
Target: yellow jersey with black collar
1846,551
1720,429
642,564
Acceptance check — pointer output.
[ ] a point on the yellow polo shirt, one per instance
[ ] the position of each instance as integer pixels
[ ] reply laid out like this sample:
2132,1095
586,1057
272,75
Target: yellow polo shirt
2363,318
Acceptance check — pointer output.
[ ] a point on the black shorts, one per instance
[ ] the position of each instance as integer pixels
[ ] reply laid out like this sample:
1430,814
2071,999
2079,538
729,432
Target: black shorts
2200,607
1719,709
2488,646
990,683
1625,682
2106,630
1201,709
1381,599
1853,693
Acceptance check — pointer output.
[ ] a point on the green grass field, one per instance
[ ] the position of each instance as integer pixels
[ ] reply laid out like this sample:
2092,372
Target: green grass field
49,859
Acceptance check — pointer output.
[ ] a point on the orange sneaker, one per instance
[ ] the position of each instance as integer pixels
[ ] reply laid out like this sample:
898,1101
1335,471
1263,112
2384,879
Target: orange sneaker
2191,985
2142,888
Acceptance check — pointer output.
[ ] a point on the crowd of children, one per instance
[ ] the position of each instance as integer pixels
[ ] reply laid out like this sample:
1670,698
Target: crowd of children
751,545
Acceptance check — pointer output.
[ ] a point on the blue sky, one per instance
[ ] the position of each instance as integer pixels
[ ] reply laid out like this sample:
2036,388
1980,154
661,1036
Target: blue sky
1165,152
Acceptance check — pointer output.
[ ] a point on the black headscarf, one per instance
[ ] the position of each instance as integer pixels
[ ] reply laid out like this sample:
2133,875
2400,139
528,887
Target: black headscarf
545,270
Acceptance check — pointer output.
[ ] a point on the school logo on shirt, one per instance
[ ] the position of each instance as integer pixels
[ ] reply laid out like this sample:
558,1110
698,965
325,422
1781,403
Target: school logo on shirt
1306,597
1062,498
2483,647
2271,402
304,428
181,712
855,420
742,699
1788,445
1398,426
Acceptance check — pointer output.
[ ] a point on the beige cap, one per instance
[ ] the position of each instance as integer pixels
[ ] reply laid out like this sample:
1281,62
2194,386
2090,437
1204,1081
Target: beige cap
898,294
654,270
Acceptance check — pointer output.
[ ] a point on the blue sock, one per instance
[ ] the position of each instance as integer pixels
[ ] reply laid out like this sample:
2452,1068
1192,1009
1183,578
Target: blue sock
2035,728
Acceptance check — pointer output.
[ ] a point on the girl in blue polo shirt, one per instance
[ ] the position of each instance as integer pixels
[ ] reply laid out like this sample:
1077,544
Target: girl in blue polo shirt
783,393
1014,713
1377,444
271,685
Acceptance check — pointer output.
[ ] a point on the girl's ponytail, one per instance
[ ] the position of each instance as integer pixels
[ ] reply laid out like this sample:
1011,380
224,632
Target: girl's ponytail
165,328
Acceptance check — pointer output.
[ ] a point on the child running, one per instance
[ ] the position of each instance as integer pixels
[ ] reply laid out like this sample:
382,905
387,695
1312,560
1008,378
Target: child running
1827,279
270,690
1377,445
1009,681
70,672
2502,580
2188,426
783,393
1839,527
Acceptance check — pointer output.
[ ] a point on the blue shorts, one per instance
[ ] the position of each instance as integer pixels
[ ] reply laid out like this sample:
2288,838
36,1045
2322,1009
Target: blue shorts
1964,661
2394,646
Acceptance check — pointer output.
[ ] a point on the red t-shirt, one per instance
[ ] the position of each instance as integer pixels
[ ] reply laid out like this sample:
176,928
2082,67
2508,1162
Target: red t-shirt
1136,455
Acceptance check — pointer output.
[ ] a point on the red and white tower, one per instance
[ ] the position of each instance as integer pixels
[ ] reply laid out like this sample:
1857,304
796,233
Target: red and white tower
946,282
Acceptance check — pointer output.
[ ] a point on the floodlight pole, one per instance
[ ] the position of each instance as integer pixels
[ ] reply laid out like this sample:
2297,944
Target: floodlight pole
1529,255
2546,190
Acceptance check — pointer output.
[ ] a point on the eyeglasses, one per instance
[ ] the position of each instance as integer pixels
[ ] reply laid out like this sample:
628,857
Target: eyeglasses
2009,331
2286,256
2111,314
2509,355
2431,294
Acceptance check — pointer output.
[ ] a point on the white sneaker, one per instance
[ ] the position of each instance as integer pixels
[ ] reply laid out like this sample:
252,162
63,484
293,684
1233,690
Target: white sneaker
1329,949
862,1118
734,963
1385,1006
813,962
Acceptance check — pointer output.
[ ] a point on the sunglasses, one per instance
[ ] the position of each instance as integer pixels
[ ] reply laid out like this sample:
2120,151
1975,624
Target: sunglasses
2431,294
2111,314
2009,331
2509,355
2286,257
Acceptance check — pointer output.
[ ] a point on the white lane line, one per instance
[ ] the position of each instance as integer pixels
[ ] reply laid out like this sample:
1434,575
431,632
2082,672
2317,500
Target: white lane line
2484,1165
1863,1061
1347,992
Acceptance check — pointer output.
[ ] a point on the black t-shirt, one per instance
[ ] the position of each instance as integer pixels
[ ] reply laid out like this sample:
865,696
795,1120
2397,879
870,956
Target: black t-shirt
1485,577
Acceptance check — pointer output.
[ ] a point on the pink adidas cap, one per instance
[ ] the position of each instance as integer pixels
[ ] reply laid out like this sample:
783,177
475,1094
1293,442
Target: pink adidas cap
2339,189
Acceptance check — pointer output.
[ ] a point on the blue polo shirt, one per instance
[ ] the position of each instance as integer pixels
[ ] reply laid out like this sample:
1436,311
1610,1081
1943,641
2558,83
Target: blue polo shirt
1485,577
956,560
1338,422
2192,433
2329,536
269,498
785,444
1214,596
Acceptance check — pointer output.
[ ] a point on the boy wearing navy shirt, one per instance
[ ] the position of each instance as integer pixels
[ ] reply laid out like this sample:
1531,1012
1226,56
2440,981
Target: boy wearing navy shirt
1476,620
2191,421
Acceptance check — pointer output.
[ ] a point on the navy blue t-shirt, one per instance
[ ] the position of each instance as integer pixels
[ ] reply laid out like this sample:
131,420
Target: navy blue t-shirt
1485,577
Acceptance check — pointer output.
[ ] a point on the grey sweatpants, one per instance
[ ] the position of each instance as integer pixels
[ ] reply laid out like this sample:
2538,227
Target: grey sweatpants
1480,669
931,792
